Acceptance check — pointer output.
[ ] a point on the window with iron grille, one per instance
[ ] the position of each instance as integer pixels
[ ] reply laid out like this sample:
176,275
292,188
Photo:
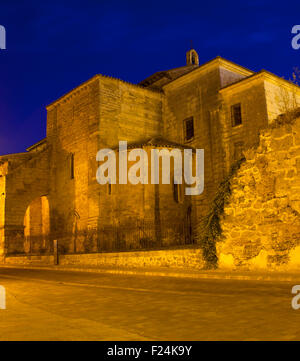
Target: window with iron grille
236,115
189,128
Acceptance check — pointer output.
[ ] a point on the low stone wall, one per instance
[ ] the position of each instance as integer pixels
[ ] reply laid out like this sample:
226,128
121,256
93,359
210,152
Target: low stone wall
261,222
28,260
177,258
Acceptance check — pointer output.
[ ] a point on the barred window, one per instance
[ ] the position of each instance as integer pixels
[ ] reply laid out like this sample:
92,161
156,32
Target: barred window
189,128
236,115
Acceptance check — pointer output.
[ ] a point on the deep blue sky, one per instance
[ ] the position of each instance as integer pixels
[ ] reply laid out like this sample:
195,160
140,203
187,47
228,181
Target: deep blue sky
52,46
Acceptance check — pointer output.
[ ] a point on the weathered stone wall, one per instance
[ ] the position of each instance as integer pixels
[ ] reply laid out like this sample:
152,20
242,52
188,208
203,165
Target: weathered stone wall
261,224
101,112
96,115
254,117
23,182
125,206
127,112
72,124
228,76
189,258
198,95
280,97
28,260
133,114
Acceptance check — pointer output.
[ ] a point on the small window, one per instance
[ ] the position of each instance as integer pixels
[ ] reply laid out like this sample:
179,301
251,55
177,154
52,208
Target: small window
72,166
189,128
236,115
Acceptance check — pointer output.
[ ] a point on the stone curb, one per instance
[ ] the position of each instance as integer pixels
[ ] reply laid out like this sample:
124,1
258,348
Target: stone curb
217,275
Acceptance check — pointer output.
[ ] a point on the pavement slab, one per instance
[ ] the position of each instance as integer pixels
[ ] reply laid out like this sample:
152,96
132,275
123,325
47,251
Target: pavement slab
61,305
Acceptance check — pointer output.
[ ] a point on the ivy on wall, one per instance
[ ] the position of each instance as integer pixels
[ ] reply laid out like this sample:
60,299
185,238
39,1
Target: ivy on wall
210,229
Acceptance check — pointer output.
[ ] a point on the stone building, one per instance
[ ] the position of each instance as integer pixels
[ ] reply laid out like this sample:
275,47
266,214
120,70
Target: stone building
51,192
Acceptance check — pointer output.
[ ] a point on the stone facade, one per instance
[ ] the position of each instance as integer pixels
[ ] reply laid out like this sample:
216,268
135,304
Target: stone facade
261,222
188,258
52,188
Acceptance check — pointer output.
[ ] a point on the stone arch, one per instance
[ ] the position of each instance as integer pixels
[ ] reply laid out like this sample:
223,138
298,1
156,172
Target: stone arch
192,57
26,179
37,226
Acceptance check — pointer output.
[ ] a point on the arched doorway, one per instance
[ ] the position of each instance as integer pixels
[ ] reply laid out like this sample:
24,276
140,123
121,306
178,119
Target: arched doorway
37,226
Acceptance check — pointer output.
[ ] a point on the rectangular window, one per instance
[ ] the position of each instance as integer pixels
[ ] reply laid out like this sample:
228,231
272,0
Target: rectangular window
189,128
236,115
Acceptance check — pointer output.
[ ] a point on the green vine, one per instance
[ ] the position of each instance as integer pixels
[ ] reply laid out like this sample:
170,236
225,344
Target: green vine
210,230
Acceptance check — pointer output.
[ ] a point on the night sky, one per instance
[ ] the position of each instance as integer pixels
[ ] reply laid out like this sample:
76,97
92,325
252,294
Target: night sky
53,46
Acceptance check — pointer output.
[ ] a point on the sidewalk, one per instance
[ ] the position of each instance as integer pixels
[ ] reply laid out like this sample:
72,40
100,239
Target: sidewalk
171,272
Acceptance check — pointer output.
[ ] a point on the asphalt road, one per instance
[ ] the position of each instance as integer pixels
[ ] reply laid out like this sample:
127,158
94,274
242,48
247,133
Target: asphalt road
54,305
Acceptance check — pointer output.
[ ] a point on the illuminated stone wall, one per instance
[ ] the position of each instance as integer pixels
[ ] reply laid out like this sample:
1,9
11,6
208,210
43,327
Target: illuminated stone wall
261,225
95,116
103,111
199,95
25,179
189,258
